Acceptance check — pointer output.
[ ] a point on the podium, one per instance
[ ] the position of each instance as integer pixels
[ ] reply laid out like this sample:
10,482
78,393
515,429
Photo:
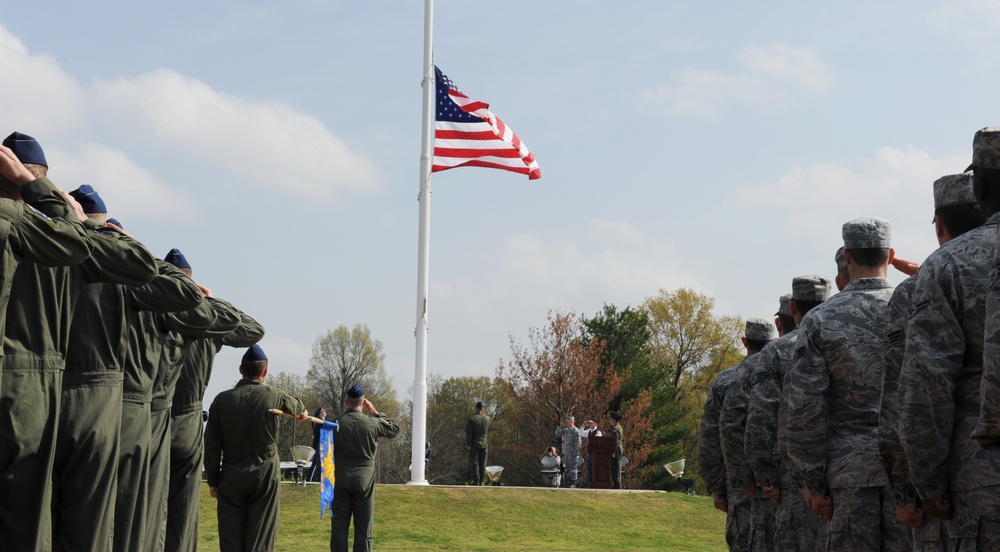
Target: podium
601,449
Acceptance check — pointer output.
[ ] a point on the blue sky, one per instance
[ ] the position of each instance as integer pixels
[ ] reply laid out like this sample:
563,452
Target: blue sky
717,145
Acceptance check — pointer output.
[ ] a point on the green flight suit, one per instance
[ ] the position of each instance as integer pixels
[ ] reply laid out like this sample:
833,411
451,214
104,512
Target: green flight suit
354,477
145,347
85,470
184,327
27,232
36,339
616,456
476,430
241,463
186,426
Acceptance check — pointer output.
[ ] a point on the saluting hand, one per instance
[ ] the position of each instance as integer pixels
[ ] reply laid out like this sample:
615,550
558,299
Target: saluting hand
119,228
906,267
12,168
75,207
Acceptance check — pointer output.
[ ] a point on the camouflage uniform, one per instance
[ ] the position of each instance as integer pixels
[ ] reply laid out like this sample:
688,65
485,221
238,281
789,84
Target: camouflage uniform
832,426
570,452
930,536
713,468
795,527
733,432
833,394
939,388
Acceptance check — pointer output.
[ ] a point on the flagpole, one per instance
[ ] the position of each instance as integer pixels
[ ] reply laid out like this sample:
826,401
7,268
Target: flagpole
417,475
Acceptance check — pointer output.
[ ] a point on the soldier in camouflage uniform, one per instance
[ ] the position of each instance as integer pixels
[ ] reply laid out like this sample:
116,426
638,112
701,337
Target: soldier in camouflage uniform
732,429
728,498
795,526
833,399
570,436
956,213
939,383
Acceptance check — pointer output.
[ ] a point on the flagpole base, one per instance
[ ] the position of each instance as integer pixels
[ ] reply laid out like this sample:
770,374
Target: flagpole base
423,483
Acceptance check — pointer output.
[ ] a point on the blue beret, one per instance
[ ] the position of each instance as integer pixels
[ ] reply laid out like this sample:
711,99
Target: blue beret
253,354
479,404
26,149
176,258
356,391
616,416
89,199
116,223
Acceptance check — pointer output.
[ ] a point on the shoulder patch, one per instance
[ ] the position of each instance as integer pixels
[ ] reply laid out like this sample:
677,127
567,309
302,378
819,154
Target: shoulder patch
37,212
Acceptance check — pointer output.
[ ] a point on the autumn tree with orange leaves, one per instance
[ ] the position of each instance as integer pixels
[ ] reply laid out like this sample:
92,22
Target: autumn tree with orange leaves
554,376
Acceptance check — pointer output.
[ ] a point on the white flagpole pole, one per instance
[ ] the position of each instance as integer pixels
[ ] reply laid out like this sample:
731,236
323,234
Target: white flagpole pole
417,475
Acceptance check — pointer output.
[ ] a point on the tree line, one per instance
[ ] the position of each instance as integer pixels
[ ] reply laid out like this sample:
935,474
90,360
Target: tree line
652,363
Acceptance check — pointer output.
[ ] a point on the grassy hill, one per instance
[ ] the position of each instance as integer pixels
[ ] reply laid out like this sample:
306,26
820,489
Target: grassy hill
502,518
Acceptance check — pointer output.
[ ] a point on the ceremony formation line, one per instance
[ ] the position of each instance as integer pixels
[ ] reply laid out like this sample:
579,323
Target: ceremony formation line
873,422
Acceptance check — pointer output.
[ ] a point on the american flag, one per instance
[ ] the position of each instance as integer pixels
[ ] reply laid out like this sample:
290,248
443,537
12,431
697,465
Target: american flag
467,133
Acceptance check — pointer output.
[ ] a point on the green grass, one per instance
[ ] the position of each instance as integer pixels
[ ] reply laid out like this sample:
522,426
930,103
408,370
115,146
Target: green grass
502,518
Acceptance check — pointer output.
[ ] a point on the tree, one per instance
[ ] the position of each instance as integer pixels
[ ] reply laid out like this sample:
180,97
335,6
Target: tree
450,402
694,391
554,377
652,414
626,338
685,331
291,432
344,357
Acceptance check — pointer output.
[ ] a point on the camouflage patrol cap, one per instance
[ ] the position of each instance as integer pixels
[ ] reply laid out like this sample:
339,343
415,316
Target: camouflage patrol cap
867,233
810,288
841,261
986,148
760,329
783,307
954,189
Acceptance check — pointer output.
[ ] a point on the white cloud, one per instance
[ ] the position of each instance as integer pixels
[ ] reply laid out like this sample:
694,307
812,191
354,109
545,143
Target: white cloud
269,144
262,143
129,190
526,271
783,62
37,96
773,74
971,21
613,230
813,201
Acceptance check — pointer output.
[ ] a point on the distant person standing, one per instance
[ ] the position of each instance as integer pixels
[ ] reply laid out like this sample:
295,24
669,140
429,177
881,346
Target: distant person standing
616,455
241,456
476,431
570,436
589,430
354,484
316,470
